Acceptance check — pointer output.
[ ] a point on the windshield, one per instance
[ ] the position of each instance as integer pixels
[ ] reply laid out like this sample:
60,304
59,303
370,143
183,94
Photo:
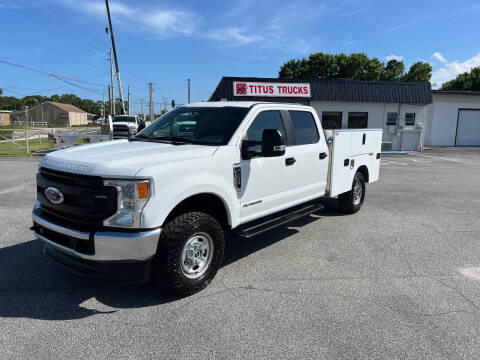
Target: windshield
124,119
202,125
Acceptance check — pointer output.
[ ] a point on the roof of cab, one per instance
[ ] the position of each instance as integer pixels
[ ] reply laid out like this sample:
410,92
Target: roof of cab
245,104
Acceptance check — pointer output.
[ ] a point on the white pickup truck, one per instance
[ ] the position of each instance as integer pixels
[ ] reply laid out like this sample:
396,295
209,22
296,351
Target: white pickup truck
125,126
158,206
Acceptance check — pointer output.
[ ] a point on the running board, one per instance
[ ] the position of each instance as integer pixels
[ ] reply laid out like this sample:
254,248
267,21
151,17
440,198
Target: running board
253,229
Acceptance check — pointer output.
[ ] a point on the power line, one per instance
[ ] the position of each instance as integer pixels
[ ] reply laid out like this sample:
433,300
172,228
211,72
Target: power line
63,78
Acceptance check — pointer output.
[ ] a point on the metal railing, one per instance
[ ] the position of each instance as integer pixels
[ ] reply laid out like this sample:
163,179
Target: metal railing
29,123
21,140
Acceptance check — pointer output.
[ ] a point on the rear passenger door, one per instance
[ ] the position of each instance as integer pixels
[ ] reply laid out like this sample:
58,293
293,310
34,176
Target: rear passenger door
311,154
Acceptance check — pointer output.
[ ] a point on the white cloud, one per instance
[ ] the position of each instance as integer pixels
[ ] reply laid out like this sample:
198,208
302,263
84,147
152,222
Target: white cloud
98,8
235,36
394,57
165,22
450,70
439,57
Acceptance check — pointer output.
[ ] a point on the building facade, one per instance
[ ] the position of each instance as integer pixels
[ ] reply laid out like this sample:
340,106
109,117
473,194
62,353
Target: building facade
53,114
454,119
402,110
4,117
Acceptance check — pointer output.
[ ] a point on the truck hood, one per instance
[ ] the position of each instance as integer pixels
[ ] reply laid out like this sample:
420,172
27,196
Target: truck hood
121,158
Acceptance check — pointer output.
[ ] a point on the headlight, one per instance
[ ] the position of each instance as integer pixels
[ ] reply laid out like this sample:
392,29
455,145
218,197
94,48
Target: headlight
132,198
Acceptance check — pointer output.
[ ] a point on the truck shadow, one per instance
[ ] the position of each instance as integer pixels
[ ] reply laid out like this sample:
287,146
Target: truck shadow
32,286
236,248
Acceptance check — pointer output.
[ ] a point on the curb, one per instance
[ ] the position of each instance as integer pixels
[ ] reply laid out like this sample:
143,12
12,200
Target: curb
395,152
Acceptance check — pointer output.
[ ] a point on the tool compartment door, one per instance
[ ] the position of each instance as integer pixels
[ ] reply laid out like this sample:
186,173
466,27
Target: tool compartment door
350,150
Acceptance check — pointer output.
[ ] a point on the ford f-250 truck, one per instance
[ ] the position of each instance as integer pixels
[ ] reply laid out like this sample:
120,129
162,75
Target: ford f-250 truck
157,206
125,126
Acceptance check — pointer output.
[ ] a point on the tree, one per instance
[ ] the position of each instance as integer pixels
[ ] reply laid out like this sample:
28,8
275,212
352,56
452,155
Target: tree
467,81
356,66
393,71
88,105
419,72
322,66
295,69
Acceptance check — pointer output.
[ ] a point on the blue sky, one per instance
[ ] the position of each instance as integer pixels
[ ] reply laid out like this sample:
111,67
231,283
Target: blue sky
168,42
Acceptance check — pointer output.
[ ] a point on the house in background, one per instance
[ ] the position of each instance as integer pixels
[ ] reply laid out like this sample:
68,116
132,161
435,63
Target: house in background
4,117
54,114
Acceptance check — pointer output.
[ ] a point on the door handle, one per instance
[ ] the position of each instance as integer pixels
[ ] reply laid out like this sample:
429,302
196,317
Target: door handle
322,155
290,161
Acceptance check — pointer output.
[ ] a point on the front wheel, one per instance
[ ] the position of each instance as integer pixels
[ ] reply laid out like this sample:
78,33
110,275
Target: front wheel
189,253
351,201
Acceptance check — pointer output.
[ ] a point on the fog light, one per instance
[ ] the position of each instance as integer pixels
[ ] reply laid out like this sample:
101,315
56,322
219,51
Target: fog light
123,220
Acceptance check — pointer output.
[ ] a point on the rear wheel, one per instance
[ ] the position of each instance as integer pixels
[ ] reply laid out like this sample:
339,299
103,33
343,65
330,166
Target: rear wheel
189,254
351,201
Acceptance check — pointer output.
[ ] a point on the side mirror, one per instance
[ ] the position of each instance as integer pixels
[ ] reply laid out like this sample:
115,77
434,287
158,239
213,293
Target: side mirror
273,143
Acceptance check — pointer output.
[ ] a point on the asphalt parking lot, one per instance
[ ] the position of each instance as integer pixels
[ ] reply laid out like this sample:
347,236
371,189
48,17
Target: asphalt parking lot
399,280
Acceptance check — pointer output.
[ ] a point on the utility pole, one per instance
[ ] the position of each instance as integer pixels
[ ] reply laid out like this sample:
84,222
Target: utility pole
115,58
128,99
103,104
109,100
188,80
26,115
150,89
112,87
143,112
164,101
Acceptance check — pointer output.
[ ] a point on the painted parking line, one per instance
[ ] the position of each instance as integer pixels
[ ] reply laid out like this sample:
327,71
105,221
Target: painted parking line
445,159
387,162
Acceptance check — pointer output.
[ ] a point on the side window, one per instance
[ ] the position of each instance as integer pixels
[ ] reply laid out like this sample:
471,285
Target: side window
410,119
392,118
304,127
357,120
264,120
332,119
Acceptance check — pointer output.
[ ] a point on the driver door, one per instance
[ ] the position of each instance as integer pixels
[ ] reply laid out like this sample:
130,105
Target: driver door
268,180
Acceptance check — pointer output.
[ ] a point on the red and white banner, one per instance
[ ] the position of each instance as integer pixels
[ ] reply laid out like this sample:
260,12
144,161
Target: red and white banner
245,88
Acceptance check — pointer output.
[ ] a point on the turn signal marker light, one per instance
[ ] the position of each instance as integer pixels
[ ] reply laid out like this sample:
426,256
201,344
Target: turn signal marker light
142,190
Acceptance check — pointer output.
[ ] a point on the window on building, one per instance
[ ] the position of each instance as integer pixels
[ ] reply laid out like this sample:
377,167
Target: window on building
410,119
392,118
332,119
357,120
264,120
304,127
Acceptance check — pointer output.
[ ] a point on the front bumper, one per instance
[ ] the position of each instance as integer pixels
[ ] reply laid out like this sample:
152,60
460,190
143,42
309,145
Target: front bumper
98,254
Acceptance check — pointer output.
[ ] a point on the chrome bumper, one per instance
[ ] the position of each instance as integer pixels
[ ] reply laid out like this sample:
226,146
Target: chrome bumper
109,246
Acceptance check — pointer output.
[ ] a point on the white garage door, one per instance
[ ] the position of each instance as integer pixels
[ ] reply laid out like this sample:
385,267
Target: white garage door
468,128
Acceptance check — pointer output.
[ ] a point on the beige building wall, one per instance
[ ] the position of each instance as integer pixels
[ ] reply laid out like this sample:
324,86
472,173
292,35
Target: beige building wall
4,118
77,118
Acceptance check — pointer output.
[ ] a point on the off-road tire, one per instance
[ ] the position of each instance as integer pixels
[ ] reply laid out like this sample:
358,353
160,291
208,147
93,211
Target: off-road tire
167,266
346,200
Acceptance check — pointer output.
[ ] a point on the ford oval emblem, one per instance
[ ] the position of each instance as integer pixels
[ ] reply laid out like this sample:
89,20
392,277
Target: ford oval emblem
54,195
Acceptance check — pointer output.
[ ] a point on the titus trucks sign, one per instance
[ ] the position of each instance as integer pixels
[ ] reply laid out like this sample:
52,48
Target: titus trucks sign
242,88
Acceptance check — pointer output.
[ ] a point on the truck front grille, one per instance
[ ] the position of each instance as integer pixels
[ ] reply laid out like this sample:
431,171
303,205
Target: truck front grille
121,131
87,202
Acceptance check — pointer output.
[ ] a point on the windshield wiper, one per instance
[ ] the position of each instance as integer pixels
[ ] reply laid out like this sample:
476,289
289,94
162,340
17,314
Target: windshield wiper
141,137
174,139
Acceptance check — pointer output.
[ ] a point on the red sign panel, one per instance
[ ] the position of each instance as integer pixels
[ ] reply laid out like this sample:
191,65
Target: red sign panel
242,88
